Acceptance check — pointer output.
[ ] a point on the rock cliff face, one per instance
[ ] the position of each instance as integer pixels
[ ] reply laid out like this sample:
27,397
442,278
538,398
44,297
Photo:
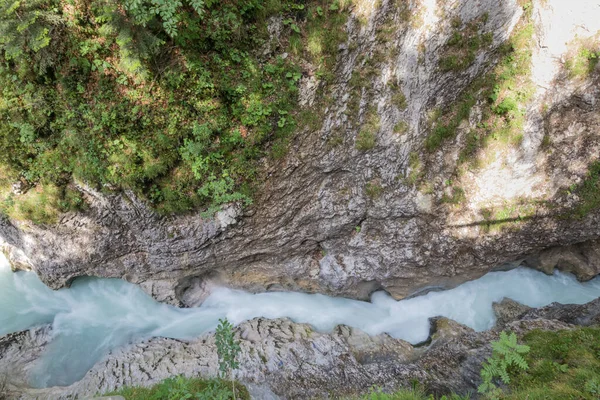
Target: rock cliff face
362,202
282,359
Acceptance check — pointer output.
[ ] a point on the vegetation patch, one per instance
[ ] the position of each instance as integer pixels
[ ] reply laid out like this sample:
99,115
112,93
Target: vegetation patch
584,58
498,218
415,393
464,44
506,354
401,127
546,366
562,365
367,136
373,189
588,192
415,168
501,95
398,97
323,32
173,102
185,388
457,196
366,139
41,204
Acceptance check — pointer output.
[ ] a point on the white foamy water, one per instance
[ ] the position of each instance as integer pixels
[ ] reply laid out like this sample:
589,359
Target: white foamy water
97,315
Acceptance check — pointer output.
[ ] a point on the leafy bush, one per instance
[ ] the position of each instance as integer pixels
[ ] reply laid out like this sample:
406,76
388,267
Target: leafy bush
507,105
584,62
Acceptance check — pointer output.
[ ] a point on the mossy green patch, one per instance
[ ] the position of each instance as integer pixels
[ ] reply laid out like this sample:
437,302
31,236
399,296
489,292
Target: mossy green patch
415,168
186,388
584,58
509,215
562,365
501,94
457,196
367,136
373,189
588,192
464,44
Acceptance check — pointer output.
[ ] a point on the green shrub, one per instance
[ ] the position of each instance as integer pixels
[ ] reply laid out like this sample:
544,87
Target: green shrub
227,350
584,62
506,106
168,99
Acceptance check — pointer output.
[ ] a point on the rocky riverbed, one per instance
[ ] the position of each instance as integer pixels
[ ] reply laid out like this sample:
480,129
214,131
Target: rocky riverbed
282,359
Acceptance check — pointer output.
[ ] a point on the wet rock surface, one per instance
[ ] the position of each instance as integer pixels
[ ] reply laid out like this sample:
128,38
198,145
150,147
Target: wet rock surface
287,360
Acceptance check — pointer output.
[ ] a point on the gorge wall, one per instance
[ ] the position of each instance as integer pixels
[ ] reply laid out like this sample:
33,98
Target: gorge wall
456,137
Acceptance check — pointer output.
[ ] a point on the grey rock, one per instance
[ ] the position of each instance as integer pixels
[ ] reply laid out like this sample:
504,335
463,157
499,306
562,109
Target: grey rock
282,359
508,310
444,329
576,314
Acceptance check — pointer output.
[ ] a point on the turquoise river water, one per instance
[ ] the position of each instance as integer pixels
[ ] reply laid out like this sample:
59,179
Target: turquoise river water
96,315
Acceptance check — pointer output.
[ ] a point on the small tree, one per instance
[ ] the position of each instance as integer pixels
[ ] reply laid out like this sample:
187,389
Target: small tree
506,352
227,349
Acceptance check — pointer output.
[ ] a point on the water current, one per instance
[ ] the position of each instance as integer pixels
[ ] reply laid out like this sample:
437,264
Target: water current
96,315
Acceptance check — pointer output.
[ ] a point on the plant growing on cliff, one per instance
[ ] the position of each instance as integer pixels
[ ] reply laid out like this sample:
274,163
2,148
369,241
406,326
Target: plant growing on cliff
227,349
170,99
506,353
